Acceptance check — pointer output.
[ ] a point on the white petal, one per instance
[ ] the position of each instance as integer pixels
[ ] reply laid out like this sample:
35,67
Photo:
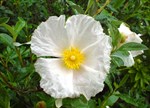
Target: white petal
130,37
128,61
97,56
123,29
88,82
134,38
55,79
83,30
136,53
50,38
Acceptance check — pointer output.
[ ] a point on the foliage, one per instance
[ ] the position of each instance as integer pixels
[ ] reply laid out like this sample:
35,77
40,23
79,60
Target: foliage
124,87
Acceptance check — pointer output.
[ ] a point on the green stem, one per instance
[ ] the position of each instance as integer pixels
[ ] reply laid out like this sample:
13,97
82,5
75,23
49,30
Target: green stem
19,56
126,68
99,10
6,82
18,91
106,99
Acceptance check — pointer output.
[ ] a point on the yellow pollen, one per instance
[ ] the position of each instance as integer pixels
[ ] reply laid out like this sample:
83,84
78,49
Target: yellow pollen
73,58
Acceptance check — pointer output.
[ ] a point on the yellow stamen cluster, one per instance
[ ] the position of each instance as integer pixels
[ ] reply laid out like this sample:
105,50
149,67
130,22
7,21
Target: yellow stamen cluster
73,58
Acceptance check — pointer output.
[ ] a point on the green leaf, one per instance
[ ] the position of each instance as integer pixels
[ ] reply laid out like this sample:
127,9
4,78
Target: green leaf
132,100
4,97
133,46
19,26
123,81
137,76
91,103
78,103
78,9
117,3
4,20
112,99
117,61
148,88
11,30
92,7
104,15
116,36
90,3
116,85
109,83
6,39
119,55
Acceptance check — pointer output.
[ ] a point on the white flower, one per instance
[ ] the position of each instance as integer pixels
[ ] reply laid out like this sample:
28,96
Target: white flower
82,56
130,36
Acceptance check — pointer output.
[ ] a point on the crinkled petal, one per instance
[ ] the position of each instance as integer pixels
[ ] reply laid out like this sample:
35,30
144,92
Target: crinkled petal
50,38
97,56
56,80
85,33
83,30
89,80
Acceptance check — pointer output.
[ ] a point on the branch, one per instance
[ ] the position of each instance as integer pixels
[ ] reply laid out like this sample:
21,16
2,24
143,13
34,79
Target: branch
99,10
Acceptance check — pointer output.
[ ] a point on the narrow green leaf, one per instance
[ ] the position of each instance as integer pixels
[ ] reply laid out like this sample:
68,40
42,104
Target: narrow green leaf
4,97
91,103
120,57
117,61
132,100
19,25
137,76
133,46
117,3
148,88
123,81
92,7
116,36
10,29
104,15
90,3
109,83
120,54
111,100
4,20
116,85
78,103
6,39
77,8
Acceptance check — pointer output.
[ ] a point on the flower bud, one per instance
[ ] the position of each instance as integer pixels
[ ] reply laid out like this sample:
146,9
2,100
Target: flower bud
41,104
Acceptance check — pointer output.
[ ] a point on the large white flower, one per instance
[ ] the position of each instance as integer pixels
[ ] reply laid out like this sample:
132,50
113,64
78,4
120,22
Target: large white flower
82,56
130,36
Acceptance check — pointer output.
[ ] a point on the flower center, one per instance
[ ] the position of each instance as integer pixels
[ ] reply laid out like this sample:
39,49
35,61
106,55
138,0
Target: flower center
73,58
